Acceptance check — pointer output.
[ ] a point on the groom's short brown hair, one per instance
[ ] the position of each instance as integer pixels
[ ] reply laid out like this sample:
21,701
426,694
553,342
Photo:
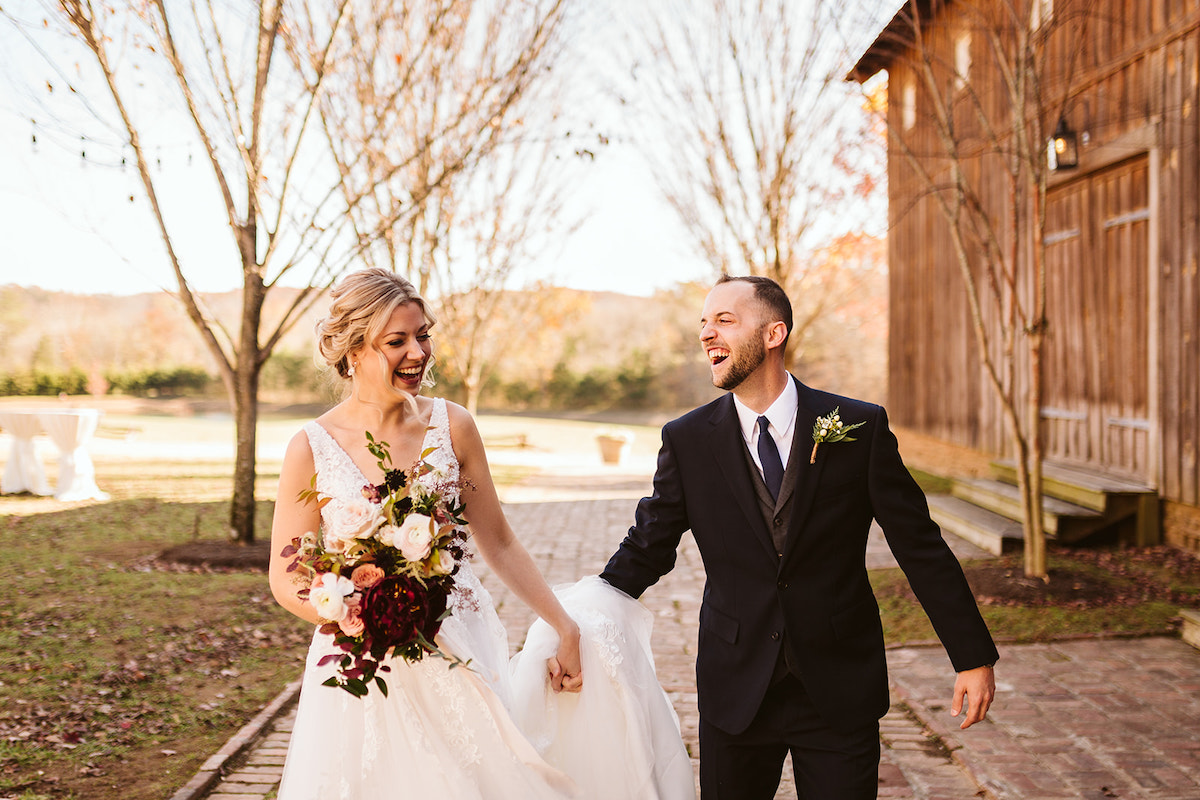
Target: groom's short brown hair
771,295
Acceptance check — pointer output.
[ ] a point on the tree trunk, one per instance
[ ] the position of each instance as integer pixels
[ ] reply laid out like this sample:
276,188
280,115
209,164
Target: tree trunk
1035,555
473,383
1035,533
245,410
245,414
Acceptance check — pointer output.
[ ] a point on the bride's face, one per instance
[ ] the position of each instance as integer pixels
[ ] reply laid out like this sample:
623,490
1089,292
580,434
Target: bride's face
400,354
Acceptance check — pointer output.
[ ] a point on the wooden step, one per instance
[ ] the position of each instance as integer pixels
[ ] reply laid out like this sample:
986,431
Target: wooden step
1061,520
992,532
1120,499
1090,489
1191,627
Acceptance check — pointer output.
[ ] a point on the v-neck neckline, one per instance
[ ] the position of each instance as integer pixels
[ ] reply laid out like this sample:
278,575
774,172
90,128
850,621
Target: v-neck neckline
429,429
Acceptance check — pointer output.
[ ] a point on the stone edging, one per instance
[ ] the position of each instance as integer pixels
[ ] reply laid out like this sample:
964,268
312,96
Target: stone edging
210,772
956,753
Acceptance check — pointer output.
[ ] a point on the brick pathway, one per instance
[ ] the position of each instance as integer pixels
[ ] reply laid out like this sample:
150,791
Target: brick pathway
1093,719
1083,719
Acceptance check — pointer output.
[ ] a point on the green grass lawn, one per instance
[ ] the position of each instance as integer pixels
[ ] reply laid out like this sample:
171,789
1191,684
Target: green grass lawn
120,679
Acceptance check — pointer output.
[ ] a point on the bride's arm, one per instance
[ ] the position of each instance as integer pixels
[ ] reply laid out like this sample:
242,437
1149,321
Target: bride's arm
292,519
504,553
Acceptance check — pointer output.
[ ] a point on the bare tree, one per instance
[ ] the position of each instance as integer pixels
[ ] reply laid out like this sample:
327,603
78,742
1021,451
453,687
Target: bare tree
988,84
289,200
500,218
490,111
748,126
462,68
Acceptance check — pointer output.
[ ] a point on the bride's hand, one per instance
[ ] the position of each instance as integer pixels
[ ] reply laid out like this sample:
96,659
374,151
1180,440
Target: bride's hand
565,668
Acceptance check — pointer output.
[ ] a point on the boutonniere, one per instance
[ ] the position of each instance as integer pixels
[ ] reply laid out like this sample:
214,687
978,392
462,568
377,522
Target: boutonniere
830,428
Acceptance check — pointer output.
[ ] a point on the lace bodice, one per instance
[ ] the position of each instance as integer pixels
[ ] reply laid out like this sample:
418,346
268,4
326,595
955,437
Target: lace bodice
340,478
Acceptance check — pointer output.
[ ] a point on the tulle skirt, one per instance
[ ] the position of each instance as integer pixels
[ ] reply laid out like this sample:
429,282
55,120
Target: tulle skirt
496,731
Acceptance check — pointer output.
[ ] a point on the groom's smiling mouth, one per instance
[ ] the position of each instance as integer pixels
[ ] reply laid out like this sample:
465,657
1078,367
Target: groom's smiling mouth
718,354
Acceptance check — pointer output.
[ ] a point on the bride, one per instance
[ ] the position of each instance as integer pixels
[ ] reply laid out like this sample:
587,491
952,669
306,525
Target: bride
578,713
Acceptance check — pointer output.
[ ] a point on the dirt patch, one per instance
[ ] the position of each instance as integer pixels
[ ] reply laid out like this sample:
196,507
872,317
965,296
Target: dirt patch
1006,585
218,555
1087,579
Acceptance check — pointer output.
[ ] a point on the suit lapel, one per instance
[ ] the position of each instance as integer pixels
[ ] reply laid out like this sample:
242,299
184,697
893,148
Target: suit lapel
727,446
808,475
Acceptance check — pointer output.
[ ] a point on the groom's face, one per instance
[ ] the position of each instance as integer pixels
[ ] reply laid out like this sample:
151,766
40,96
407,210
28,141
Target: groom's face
731,333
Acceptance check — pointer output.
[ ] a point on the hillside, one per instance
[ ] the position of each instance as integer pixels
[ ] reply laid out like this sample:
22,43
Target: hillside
57,330
575,336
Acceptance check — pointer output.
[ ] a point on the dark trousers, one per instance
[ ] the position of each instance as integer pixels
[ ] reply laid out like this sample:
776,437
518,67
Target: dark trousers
829,764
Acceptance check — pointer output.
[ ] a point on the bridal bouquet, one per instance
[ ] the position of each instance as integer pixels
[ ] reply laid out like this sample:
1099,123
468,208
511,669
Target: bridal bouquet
383,570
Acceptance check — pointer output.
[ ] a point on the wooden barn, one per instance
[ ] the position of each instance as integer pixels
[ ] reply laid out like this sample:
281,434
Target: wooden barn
1120,368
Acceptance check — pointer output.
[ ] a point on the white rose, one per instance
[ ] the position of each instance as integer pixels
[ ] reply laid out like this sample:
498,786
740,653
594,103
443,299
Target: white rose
388,535
415,537
328,595
354,519
443,563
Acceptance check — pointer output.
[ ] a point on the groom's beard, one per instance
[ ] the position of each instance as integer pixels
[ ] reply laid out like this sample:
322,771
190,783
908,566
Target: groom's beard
743,362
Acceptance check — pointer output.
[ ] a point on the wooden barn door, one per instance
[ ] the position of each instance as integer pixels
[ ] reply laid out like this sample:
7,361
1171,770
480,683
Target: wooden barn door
1098,304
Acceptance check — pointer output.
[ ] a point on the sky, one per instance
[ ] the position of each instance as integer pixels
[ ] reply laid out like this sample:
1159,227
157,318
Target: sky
82,224
73,219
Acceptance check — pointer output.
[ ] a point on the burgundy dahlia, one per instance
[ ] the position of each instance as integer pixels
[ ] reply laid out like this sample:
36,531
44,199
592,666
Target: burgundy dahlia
398,607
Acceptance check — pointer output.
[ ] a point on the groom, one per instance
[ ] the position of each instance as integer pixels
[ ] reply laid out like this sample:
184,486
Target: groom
791,654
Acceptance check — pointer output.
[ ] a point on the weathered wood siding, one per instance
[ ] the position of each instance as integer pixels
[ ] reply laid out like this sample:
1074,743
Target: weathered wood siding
1123,355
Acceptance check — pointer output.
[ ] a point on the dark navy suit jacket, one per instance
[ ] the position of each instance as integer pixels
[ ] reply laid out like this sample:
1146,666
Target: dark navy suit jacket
816,596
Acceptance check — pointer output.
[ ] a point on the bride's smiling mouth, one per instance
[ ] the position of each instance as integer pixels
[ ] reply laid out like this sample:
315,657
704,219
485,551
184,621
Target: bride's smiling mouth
410,374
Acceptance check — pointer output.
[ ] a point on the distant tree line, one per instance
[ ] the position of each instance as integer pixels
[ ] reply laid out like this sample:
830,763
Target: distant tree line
638,383
183,381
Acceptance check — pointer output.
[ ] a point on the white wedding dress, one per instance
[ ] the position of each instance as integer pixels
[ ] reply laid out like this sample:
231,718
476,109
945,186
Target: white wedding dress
494,731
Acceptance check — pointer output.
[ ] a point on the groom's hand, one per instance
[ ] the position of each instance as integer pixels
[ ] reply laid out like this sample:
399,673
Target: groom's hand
977,687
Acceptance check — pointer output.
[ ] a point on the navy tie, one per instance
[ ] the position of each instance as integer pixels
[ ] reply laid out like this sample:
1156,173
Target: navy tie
768,454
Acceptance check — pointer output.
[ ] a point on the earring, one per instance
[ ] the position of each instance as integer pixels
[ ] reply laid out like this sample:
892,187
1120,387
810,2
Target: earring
350,372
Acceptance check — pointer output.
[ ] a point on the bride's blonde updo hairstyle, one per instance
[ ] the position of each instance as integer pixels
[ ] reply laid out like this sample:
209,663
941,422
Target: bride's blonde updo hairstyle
363,303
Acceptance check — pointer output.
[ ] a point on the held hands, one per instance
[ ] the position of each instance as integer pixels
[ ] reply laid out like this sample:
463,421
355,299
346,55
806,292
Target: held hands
565,668
978,688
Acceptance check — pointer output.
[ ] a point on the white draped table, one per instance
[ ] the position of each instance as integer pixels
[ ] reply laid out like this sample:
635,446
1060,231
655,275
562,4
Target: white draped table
70,430
23,472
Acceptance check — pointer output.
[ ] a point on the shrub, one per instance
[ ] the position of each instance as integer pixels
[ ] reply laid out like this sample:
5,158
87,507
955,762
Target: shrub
43,384
170,382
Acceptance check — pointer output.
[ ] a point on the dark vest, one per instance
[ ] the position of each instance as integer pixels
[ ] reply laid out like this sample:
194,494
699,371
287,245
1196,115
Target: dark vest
777,514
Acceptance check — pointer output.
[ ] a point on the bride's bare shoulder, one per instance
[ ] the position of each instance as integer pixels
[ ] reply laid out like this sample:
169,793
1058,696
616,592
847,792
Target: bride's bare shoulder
459,417
463,429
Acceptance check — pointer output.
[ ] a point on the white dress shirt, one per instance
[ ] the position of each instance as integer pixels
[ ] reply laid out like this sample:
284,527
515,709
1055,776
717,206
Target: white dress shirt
782,418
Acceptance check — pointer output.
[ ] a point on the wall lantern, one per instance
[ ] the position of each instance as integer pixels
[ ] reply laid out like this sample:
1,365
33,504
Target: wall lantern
1062,151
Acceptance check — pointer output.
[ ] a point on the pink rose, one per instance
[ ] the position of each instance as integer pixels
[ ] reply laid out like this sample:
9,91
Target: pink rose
354,519
415,537
352,624
366,575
